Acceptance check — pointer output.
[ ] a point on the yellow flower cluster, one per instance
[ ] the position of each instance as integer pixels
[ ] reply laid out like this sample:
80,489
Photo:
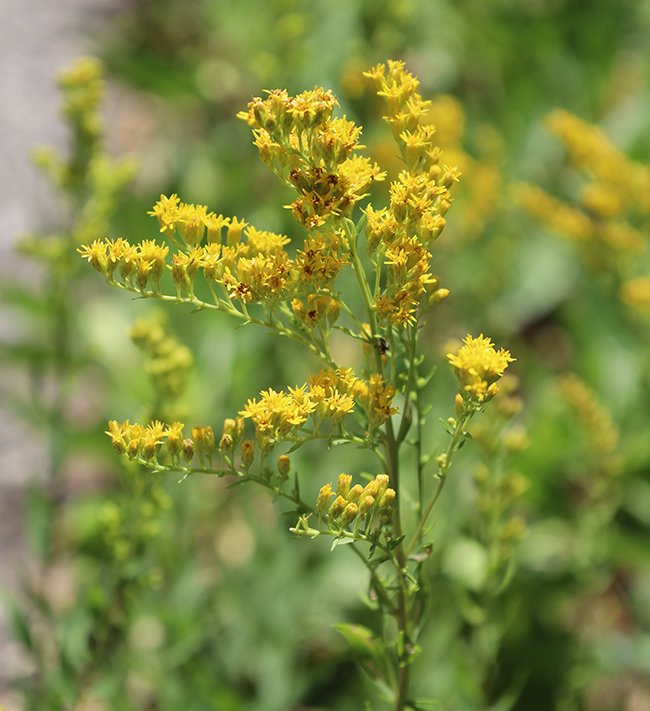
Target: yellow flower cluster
478,366
352,504
620,185
146,442
327,396
250,265
168,361
140,266
313,152
612,203
482,184
636,293
83,86
419,199
601,432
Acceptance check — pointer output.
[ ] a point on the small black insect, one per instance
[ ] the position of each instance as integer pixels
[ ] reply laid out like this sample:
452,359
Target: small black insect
381,345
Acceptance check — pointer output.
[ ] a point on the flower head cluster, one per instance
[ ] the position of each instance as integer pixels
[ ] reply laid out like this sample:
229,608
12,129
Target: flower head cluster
328,396
168,361
482,184
371,503
313,152
601,433
610,209
478,366
148,442
419,199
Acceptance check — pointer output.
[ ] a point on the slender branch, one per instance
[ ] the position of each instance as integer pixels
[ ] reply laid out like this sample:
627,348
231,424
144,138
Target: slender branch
228,308
444,464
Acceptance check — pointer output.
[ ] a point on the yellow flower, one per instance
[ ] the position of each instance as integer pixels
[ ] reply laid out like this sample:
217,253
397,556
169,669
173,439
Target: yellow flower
478,366
166,212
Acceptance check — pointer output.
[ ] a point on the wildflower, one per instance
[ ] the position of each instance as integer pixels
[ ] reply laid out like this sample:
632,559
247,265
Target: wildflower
166,212
95,253
174,434
478,366
377,398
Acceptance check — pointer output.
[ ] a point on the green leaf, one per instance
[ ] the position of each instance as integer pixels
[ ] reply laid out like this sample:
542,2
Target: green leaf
341,542
367,647
21,629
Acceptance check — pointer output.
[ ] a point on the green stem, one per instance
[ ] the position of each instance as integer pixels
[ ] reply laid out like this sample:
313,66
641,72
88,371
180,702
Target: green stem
444,465
391,446
229,309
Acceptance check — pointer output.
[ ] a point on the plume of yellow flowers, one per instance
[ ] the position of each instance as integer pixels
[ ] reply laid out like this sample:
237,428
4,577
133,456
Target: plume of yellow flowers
419,199
478,367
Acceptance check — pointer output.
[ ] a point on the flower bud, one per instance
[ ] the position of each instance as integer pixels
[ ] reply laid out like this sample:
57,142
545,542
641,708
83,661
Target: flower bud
366,503
387,499
188,450
324,496
239,429
247,452
355,493
349,514
372,488
383,480
337,508
284,465
226,444
343,487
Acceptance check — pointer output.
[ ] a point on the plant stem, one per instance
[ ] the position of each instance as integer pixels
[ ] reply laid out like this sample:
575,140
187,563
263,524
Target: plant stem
391,446
443,468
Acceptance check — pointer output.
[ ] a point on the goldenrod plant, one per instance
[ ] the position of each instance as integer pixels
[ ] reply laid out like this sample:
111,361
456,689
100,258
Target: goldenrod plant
607,212
62,643
305,293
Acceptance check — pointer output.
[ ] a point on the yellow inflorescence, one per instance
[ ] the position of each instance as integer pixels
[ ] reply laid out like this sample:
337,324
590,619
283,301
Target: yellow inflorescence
611,207
313,152
636,293
147,441
419,199
372,503
328,395
478,366
599,427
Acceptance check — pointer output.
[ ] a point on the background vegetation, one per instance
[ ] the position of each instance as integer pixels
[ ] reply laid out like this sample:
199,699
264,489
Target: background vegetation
196,595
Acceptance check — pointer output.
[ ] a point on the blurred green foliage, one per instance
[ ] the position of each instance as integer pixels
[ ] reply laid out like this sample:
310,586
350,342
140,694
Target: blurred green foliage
217,607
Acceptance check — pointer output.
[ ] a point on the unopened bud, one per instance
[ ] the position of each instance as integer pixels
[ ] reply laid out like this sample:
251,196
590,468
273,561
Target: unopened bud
343,487
284,465
349,514
239,429
188,450
387,499
337,507
355,493
366,503
323,501
383,480
225,443
458,403
372,488
247,452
